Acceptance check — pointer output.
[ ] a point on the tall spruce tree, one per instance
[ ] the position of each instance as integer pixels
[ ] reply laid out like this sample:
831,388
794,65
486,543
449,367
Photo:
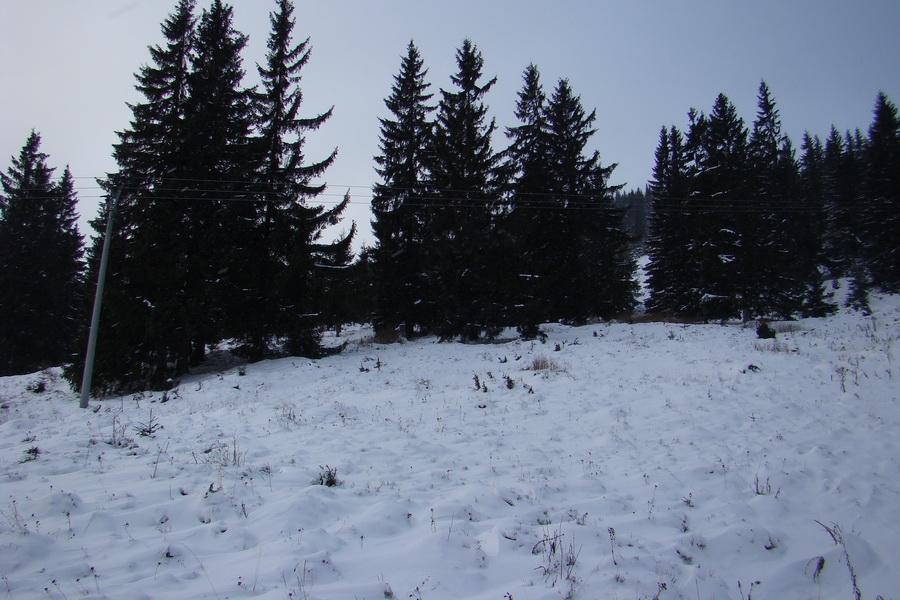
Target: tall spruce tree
778,249
220,164
462,258
562,226
521,227
528,152
286,259
40,263
843,167
400,219
144,336
671,287
720,188
843,181
811,234
859,273
590,267
68,258
836,233
881,191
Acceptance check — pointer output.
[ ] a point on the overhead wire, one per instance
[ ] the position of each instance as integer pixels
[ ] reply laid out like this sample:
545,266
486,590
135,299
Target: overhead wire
461,199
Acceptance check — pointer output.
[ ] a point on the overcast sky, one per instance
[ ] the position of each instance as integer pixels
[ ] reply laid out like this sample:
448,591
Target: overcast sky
67,69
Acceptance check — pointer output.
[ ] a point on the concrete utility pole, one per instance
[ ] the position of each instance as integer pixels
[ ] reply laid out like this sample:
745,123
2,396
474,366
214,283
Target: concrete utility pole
98,300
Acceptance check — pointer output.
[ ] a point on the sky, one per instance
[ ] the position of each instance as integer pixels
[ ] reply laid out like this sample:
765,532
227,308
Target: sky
67,70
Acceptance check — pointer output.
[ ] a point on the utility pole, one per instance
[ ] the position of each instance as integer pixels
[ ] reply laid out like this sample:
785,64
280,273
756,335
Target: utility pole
98,300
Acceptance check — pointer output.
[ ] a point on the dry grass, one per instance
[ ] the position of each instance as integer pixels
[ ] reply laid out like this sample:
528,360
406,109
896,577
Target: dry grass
544,363
786,327
659,318
773,346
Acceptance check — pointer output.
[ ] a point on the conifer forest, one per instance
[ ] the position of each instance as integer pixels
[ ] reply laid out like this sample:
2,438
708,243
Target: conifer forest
219,235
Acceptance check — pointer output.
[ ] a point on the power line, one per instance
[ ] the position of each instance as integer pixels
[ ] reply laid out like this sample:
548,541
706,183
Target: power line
463,199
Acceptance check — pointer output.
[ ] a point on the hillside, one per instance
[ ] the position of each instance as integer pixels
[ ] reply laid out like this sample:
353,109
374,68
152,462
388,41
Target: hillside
613,461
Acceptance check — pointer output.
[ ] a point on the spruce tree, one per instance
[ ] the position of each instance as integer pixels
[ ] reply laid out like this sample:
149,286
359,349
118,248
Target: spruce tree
187,165
720,188
462,260
658,273
68,260
144,336
285,262
591,267
400,218
563,228
147,150
528,153
521,227
843,182
855,162
219,165
780,248
302,285
671,287
843,167
881,197
811,234
41,258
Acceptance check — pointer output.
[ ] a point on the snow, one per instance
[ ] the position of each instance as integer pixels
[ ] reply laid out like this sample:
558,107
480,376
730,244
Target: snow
623,461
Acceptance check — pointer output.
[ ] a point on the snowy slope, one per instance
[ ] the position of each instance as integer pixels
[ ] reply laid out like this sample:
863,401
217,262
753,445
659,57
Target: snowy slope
614,461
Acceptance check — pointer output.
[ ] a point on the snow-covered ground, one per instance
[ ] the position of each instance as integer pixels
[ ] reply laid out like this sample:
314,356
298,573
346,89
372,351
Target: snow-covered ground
614,461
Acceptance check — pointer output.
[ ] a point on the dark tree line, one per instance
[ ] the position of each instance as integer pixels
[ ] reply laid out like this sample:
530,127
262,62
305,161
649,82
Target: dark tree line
470,240
218,238
741,228
41,258
215,235
636,204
